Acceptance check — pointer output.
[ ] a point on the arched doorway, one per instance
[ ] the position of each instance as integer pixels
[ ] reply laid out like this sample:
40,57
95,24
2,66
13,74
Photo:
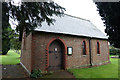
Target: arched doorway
56,55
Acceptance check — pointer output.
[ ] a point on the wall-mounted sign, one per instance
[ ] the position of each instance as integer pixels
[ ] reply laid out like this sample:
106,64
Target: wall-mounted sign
69,50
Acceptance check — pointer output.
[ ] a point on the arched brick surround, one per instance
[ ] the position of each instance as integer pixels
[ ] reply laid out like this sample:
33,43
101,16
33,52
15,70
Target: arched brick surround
47,52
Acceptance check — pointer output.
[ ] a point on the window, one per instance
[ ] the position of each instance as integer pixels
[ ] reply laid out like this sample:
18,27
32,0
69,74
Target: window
84,48
98,48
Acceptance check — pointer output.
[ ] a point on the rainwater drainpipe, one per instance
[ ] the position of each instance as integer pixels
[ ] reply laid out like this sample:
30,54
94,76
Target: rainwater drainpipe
90,52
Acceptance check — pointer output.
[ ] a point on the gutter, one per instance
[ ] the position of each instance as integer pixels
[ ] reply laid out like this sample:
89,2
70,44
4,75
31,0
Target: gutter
90,52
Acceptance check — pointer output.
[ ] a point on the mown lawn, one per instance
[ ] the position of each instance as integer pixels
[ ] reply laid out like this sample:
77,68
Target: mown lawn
11,58
104,71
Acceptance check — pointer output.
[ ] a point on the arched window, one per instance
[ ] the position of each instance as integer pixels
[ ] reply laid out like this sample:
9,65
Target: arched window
98,48
84,48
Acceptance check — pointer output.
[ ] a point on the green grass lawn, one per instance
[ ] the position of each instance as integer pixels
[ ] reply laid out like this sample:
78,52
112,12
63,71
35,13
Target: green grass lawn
104,71
10,58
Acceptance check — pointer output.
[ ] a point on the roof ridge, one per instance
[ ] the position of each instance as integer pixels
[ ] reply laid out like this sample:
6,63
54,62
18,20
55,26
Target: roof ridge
77,17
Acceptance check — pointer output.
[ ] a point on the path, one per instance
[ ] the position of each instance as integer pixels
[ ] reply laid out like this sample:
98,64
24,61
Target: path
13,71
16,71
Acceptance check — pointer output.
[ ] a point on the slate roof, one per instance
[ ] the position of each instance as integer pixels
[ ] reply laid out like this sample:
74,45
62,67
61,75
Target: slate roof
73,26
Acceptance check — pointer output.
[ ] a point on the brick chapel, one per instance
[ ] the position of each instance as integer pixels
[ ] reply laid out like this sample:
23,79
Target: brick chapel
71,42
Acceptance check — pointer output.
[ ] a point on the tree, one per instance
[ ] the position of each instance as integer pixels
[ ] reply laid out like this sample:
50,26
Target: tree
34,14
5,29
110,13
15,43
29,15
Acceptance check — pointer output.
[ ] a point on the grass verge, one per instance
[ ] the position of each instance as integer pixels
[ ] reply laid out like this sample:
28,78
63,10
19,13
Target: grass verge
10,58
104,71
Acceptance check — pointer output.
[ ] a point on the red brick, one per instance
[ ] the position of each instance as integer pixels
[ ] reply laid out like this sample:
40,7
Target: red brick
35,55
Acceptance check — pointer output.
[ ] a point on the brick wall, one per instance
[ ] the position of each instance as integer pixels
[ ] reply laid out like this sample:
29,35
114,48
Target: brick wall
26,51
98,59
34,51
41,39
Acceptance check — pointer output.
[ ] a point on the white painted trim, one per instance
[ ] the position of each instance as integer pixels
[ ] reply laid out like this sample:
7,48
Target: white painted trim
25,68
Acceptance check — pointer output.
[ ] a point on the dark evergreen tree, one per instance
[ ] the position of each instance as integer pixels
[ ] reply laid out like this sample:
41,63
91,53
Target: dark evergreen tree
110,13
5,29
29,16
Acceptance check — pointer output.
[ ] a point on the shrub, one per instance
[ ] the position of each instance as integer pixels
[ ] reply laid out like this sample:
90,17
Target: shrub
36,73
114,51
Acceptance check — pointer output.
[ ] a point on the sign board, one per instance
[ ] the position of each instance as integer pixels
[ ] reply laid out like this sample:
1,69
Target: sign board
69,50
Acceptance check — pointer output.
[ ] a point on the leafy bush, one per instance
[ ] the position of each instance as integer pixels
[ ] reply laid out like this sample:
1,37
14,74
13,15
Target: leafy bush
36,73
114,51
